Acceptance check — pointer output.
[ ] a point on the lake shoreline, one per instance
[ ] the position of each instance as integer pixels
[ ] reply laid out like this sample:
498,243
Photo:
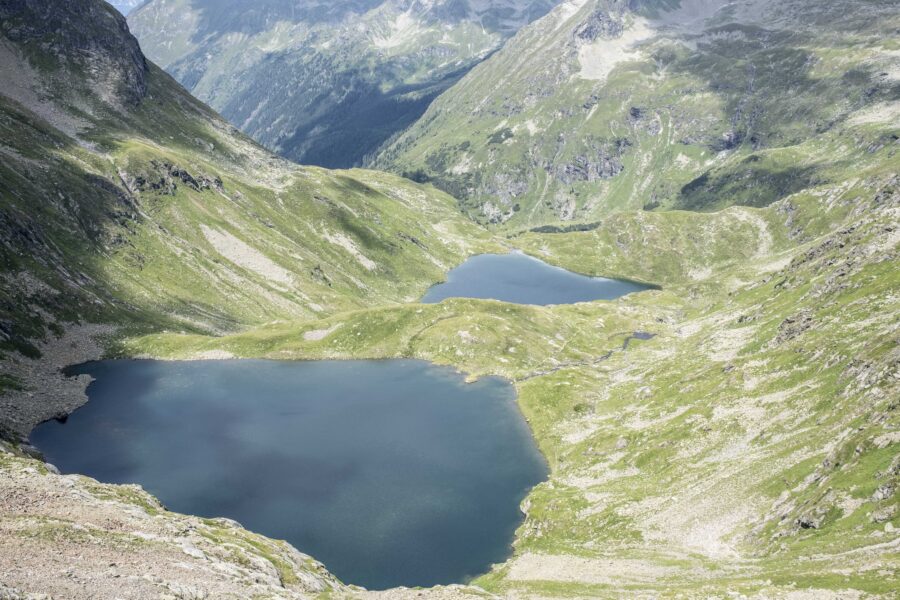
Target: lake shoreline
47,392
520,278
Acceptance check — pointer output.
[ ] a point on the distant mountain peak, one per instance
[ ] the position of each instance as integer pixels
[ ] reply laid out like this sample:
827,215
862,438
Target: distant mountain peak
325,82
126,6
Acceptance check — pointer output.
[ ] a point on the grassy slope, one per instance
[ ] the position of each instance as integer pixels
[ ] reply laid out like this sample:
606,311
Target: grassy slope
125,201
85,217
745,110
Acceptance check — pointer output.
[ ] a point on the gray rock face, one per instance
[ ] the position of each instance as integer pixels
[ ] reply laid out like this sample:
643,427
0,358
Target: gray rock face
884,492
794,326
810,521
603,162
89,36
600,24
165,177
586,169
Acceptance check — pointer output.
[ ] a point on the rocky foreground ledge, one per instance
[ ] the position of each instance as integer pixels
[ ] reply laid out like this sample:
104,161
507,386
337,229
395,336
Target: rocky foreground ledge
70,537
127,545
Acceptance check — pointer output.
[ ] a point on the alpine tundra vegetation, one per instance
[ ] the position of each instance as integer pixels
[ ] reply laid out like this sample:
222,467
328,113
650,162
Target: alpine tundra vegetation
608,105
733,431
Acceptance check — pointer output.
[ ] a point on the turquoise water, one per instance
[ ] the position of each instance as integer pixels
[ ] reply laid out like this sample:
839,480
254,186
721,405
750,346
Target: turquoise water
390,472
522,279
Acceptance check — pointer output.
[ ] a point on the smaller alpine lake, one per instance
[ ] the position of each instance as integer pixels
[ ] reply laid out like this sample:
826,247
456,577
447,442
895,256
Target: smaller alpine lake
522,279
391,472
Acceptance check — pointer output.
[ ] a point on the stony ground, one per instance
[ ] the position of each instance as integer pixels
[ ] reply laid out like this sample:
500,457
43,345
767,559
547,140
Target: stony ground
47,393
70,537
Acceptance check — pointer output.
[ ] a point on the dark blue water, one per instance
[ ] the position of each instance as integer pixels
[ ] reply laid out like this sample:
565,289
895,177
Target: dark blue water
390,472
522,279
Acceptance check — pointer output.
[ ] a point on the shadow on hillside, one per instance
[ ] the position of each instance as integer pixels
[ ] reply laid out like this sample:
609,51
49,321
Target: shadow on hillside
771,100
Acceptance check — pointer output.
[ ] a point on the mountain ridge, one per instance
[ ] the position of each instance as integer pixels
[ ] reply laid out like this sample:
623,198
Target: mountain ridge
604,106
328,83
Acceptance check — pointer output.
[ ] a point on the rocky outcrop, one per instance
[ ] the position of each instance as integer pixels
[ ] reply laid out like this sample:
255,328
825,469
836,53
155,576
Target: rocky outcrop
603,162
164,177
128,544
602,23
794,326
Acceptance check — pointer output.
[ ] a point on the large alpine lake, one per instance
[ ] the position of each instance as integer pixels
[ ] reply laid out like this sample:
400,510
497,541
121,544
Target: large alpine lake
522,279
390,472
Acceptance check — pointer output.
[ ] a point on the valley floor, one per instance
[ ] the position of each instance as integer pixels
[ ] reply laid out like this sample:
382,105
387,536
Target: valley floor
750,449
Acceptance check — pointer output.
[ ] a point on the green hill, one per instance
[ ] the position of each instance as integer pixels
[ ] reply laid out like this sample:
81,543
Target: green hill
605,106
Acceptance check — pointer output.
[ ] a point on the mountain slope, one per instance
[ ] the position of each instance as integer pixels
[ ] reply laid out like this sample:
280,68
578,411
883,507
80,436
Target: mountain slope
124,200
606,105
325,83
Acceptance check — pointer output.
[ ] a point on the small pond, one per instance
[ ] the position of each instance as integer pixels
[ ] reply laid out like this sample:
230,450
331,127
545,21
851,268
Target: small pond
390,472
522,279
